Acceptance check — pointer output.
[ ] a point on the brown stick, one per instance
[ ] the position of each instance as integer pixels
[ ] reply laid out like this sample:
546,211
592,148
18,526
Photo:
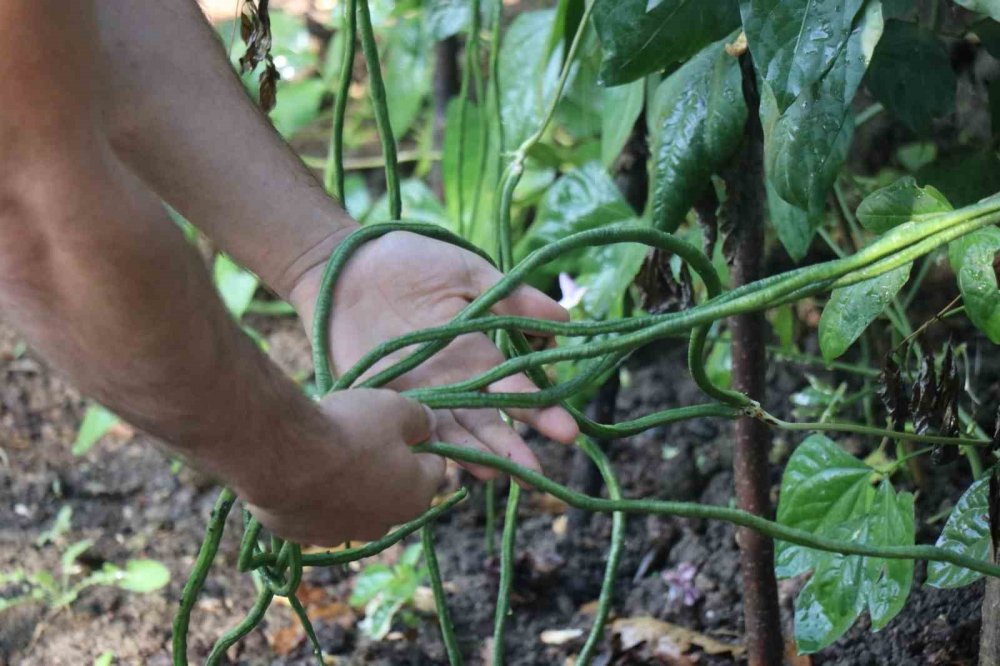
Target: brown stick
752,479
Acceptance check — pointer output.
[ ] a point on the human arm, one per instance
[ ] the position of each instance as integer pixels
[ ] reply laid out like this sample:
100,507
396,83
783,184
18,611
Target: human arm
93,273
180,118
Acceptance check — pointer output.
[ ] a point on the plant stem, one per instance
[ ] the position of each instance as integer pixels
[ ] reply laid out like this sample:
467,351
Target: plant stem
761,613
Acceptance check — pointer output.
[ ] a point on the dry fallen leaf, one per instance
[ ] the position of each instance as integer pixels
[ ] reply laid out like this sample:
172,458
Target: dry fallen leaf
559,525
591,607
793,658
284,640
560,636
644,629
545,503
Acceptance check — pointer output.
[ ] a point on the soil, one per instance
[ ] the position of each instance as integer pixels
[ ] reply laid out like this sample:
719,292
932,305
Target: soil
126,498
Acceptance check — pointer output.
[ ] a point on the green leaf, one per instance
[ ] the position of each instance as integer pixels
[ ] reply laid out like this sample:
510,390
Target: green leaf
236,286
958,247
794,43
378,617
411,556
607,272
585,198
989,7
298,105
408,71
97,421
901,202
446,18
67,563
977,281
637,42
419,205
370,582
794,226
527,75
620,109
143,576
967,532
852,309
697,125
829,493
911,75
480,230
106,659
805,147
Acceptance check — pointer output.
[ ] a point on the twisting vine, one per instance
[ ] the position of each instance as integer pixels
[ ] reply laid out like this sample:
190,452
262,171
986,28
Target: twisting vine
277,565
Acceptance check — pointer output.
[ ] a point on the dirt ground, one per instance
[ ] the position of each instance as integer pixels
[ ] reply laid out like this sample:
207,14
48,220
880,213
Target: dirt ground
126,499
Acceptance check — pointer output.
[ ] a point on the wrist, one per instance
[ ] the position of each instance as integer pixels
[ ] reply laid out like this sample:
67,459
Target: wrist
307,265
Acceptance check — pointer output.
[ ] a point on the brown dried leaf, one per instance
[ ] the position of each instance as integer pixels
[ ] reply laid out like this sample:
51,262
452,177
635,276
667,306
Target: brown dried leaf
923,404
269,86
659,290
893,393
633,631
560,636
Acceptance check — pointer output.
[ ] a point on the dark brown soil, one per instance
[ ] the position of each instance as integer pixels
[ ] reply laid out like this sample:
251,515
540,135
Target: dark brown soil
126,499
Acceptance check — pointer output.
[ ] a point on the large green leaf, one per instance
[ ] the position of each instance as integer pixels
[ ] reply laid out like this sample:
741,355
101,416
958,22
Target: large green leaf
977,280
528,74
620,109
697,120
805,147
989,7
900,202
911,74
466,148
585,198
852,309
967,532
829,493
408,71
372,580
794,42
637,42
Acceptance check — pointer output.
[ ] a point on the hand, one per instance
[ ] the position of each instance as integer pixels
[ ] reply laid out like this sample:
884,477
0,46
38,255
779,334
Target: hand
404,282
358,478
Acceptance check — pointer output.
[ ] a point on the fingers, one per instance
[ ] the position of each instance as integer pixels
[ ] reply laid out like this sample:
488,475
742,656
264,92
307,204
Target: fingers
553,422
451,431
525,301
489,428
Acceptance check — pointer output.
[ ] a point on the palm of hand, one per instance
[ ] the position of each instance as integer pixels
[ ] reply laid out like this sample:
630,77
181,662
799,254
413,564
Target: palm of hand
404,282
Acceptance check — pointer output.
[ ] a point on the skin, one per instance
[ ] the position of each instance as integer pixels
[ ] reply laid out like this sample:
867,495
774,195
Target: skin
114,105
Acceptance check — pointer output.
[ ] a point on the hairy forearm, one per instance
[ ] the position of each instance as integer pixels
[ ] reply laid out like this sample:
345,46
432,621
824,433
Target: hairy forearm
177,114
106,288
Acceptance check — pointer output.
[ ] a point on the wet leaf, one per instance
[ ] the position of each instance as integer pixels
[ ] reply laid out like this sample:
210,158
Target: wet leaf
852,309
911,75
806,144
977,281
903,201
827,492
967,532
794,43
637,42
697,121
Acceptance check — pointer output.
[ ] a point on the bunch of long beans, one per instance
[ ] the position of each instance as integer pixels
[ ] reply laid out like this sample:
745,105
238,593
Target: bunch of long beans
277,565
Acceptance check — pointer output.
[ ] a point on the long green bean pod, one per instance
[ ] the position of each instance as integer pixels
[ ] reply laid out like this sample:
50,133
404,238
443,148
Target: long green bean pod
440,600
333,177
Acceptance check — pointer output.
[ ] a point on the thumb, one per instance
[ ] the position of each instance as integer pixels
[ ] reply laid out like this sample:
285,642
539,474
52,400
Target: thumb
416,421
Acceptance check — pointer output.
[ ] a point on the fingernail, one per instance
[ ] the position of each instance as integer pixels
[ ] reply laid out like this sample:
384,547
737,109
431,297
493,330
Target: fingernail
431,420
